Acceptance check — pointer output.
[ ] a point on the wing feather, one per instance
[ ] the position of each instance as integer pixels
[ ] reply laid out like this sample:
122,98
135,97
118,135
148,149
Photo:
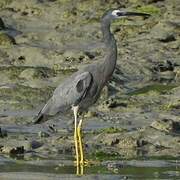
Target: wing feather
67,94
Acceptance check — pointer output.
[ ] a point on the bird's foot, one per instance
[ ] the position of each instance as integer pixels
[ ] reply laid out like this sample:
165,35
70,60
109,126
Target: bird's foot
85,162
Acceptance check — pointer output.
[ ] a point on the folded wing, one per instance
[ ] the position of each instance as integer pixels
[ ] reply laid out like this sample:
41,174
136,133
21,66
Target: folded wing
66,95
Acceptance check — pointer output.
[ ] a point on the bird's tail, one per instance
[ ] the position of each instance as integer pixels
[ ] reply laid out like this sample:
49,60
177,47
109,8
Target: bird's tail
44,113
40,118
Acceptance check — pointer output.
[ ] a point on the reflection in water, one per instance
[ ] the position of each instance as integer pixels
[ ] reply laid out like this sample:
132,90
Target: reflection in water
39,168
80,170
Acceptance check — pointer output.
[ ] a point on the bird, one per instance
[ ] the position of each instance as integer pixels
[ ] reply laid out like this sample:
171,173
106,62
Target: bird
82,89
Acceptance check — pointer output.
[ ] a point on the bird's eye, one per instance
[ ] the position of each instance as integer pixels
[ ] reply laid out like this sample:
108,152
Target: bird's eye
118,14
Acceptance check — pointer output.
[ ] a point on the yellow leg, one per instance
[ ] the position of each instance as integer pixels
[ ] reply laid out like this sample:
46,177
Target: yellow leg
80,142
80,147
81,169
75,110
76,150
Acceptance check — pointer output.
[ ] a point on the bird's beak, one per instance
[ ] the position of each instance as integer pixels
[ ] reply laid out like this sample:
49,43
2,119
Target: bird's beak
135,14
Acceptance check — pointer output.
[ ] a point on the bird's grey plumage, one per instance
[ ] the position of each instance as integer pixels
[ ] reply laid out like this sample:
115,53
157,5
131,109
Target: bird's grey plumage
83,88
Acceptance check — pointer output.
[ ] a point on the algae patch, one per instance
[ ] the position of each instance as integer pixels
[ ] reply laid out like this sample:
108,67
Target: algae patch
23,97
110,130
101,155
4,3
26,72
160,88
149,9
6,40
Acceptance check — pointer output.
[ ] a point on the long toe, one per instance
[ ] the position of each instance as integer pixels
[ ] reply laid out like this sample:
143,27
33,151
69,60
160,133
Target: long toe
85,162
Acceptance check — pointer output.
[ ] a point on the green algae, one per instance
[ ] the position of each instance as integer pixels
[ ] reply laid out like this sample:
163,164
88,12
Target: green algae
160,88
6,40
23,97
101,155
57,68
149,9
37,73
13,72
111,130
4,3
171,106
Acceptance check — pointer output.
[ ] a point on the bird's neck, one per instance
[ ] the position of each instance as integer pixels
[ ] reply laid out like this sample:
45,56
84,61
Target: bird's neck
111,49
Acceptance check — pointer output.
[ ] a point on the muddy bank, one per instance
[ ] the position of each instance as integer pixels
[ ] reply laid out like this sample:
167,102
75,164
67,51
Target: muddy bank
43,42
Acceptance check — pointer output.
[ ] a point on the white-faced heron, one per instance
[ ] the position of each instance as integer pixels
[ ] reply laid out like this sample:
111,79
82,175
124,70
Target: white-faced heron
83,88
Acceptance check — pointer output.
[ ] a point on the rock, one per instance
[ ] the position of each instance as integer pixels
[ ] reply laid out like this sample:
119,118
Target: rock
4,3
22,97
6,40
164,72
35,144
90,114
119,140
13,150
161,140
177,73
2,26
6,149
40,77
168,38
163,32
74,56
164,66
3,133
127,143
43,134
166,76
28,74
115,167
17,150
166,125
152,1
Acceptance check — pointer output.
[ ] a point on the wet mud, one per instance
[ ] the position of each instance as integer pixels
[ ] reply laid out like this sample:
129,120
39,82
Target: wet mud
133,131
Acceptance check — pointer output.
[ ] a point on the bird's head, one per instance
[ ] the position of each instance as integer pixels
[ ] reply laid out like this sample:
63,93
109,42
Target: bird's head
117,14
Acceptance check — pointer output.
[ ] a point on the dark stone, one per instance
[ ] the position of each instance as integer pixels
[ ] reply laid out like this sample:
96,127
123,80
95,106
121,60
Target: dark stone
2,26
169,38
90,55
17,150
3,133
161,67
36,144
152,1
141,143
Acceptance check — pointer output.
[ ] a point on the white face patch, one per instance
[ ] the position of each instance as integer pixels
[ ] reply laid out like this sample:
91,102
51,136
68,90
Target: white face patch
114,13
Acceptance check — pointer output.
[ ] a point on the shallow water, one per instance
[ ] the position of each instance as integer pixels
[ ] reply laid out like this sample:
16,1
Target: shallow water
62,167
